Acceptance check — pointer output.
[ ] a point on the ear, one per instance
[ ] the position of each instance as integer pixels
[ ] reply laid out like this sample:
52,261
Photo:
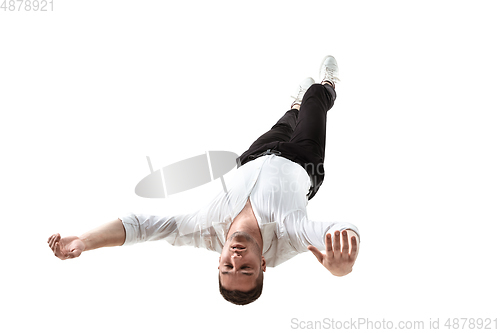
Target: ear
263,264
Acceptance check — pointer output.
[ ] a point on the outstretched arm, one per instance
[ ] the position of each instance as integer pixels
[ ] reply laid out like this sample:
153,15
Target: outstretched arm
109,234
338,260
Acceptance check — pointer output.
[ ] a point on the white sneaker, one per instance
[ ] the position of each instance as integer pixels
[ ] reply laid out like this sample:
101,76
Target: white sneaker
301,90
329,70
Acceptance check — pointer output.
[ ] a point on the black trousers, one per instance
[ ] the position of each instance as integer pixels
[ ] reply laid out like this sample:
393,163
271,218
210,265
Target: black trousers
299,136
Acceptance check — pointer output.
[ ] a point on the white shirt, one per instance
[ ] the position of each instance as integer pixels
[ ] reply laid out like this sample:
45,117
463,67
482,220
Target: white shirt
277,189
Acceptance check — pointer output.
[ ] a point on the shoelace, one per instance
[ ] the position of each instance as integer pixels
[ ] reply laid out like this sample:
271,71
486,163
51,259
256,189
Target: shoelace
300,94
302,91
329,73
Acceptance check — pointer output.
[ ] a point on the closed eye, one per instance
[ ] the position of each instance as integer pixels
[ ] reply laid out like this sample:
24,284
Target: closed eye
242,267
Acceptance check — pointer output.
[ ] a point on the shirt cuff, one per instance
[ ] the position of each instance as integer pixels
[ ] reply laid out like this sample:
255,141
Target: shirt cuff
131,226
343,226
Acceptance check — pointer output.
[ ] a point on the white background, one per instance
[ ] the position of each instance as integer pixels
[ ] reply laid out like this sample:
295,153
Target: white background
412,157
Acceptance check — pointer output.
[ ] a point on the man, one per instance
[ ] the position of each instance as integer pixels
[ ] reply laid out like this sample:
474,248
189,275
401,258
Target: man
261,220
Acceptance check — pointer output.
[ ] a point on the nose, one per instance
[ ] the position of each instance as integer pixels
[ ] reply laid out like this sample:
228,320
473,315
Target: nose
237,253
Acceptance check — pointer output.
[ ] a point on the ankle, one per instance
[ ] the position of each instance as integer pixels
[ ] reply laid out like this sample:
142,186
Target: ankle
328,82
296,106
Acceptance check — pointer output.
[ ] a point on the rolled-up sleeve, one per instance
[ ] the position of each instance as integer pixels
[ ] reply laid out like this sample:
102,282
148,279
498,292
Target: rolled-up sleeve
142,227
304,232
340,226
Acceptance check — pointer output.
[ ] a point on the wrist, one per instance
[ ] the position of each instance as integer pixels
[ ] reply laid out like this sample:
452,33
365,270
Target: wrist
87,242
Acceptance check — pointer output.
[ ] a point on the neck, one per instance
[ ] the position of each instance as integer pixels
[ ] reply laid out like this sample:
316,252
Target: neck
247,222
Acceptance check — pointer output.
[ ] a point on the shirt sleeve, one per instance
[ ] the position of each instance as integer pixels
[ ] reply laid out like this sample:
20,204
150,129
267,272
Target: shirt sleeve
178,230
304,232
142,228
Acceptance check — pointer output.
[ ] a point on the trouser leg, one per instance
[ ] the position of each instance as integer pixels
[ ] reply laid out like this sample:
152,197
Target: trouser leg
307,144
300,136
309,136
281,131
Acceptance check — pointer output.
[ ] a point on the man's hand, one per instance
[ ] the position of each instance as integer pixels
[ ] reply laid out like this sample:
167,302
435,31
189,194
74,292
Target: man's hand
67,247
338,262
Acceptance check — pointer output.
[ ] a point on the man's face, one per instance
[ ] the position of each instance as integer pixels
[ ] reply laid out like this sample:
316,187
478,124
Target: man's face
240,262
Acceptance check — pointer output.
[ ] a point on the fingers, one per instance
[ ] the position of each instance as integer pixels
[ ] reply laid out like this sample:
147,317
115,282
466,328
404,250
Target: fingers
59,251
328,243
336,242
56,246
317,253
354,248
345,244
53,240
50,240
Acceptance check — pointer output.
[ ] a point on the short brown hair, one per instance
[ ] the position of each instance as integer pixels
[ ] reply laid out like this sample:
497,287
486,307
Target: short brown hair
243,297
